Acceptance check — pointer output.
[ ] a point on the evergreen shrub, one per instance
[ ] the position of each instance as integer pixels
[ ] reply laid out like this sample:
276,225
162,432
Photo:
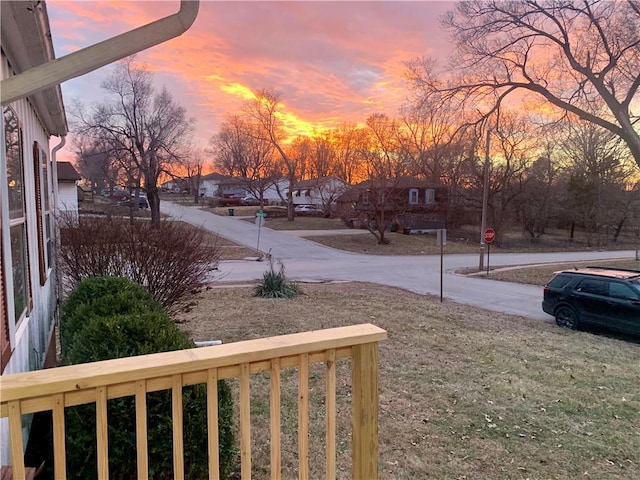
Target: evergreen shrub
100,297
124,334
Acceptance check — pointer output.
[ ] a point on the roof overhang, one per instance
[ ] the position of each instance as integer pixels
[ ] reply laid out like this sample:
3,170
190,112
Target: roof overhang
26,40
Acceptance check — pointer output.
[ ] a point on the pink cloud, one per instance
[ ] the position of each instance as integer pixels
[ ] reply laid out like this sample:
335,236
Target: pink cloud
332,61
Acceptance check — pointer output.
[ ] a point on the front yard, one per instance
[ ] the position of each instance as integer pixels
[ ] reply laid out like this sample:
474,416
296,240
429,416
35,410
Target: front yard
464,393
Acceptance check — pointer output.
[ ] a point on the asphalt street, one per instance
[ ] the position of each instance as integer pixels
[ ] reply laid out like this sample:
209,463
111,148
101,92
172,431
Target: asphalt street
305,260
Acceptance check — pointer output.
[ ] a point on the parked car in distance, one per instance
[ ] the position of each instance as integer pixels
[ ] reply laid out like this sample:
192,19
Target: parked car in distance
250,201
119,194
603,297
307,210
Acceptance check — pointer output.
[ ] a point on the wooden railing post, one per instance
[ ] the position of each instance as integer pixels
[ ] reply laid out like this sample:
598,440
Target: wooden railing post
365,412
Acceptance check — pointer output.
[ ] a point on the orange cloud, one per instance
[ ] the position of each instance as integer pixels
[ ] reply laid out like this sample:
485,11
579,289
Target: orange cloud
333,63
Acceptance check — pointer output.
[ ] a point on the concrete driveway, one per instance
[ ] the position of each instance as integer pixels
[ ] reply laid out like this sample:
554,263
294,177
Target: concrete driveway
305,260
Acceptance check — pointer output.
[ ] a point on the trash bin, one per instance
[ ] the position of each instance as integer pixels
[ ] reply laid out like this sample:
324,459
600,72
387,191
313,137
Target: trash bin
231,212
393,227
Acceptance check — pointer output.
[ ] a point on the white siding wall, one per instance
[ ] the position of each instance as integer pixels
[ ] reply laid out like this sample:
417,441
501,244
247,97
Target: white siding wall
68,197
209,188
30,337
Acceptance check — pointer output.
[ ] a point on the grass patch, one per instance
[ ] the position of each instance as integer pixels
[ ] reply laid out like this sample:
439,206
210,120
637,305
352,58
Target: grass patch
105,206
457,242
228,249
305,223
464,393
400,244
541,274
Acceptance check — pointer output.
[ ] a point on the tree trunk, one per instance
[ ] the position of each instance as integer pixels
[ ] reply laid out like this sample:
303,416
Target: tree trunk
618,229
290,215
154,204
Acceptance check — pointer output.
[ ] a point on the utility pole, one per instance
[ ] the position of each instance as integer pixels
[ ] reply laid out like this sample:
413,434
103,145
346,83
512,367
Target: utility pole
485,200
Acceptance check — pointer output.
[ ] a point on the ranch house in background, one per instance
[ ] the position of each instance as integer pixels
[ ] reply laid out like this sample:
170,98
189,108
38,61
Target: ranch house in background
320,192
407,203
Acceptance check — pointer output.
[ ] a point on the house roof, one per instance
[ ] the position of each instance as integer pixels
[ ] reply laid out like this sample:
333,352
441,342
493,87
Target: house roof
400,183
314,182
66,172
215,176
26,40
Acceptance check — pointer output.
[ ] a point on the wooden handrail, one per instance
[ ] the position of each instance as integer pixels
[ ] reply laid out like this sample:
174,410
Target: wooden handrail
98,382
109,372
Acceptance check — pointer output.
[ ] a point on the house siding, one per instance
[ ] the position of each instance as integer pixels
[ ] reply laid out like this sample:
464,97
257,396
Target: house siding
68,197
32,335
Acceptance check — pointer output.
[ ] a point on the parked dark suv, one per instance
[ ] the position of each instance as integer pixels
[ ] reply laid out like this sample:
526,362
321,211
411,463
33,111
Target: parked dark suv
598,296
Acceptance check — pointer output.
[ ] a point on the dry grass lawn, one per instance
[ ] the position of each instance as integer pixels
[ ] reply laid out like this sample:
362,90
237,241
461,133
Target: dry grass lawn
462,241
541,274
464,393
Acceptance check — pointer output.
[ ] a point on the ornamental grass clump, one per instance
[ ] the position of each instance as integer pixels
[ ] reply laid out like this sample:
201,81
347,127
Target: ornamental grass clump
275,284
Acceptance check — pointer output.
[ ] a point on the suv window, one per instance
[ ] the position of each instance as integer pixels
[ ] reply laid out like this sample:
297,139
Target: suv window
594,286
559,281
620,290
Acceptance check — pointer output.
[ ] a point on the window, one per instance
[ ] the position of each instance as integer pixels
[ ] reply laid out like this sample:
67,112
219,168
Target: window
429,196
596,287
620,290
365,197
559,281
17,218
413,196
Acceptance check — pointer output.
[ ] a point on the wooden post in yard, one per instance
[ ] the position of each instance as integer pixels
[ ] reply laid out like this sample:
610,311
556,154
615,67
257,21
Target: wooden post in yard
364,442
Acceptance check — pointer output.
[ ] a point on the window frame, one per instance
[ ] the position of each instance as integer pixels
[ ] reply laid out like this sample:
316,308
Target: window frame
20,221
365,197
429,196
414,196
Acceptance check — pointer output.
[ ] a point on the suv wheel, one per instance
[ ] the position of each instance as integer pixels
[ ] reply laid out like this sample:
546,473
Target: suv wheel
567,317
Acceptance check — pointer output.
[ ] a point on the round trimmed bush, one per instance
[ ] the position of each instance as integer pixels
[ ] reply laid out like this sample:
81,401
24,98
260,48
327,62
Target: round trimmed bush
100,297
103,337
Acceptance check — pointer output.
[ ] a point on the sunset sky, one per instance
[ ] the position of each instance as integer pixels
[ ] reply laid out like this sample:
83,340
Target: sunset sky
333,62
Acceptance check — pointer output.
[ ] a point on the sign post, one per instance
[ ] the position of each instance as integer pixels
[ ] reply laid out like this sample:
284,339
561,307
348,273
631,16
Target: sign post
489,236
441,240
260,217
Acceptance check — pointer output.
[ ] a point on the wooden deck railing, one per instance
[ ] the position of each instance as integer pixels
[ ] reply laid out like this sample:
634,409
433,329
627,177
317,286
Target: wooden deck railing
55,389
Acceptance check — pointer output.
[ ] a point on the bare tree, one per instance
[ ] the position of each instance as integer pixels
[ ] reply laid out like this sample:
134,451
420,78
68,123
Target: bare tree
192,163
94,164
385,166
350,141
239,149
599,170
264,113
147,127
322,161
542,193
581,56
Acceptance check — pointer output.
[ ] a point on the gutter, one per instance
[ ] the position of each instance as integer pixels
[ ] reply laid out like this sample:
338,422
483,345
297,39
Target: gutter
91,58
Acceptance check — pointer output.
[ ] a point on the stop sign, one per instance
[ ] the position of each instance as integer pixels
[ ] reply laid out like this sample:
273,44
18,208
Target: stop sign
489,235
